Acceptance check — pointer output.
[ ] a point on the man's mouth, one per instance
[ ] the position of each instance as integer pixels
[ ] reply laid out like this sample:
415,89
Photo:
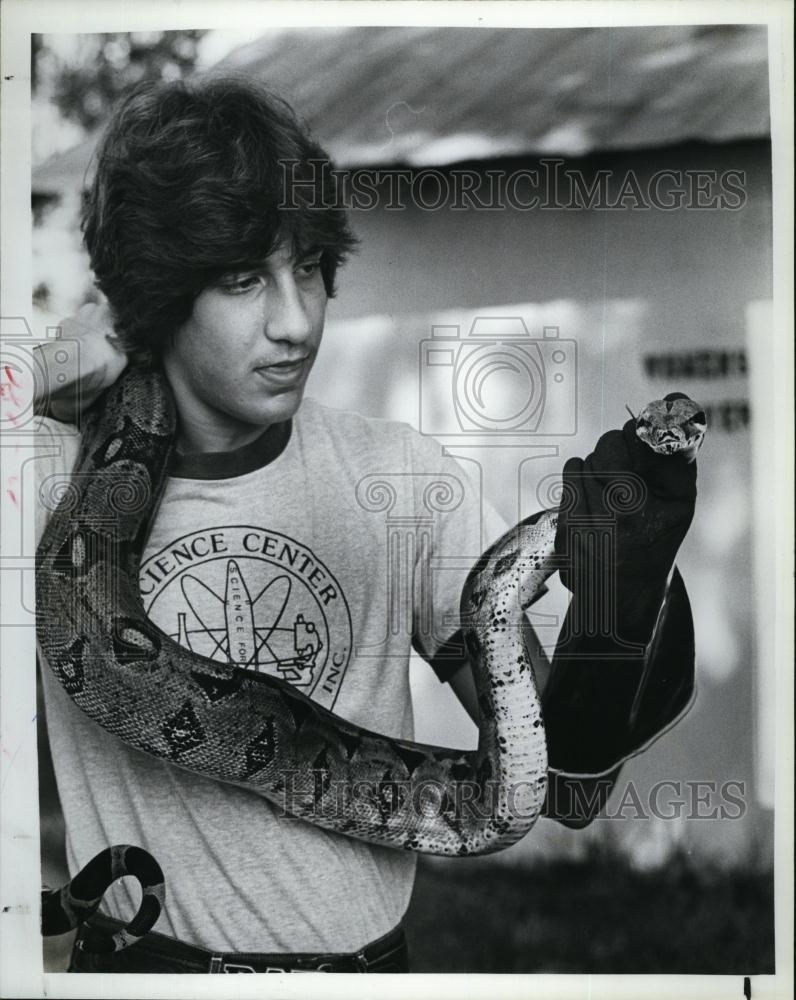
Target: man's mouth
284,371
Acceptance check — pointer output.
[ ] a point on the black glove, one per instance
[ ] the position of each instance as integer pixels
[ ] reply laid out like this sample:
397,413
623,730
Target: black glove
610,688
648,529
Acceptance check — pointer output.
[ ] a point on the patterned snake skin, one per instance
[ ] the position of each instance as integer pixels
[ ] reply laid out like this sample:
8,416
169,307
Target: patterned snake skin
64,909
257,731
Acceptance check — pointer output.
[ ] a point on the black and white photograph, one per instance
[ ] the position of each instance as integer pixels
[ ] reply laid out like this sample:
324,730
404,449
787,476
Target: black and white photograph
397,489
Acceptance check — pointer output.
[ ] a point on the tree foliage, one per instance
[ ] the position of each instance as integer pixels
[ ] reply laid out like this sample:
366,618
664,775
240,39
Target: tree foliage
85,88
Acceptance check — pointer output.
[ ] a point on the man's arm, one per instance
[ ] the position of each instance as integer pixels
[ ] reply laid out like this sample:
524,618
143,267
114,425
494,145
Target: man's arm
623,671
575,802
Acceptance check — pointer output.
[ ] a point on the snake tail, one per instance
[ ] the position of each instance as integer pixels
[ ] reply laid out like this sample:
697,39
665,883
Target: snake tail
70,906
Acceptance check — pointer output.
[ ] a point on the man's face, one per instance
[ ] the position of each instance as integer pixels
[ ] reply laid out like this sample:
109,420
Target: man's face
241,361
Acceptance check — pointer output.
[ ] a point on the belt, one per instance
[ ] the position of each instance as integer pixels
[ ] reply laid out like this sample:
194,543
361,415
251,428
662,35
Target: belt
159,953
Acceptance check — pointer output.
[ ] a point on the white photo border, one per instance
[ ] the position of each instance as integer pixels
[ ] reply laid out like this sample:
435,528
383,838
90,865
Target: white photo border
20,949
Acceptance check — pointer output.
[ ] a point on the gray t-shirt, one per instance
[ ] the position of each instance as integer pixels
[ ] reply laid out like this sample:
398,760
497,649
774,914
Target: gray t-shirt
320,554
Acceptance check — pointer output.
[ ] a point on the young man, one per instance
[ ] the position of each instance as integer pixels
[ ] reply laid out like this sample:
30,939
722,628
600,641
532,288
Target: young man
263,552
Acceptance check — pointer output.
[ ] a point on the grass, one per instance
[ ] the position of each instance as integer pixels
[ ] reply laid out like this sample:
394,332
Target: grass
595,916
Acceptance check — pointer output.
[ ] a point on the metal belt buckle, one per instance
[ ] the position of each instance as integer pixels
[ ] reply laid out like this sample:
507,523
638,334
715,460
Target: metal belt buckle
217,965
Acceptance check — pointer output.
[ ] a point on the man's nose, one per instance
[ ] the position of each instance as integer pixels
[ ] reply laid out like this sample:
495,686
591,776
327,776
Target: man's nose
288,317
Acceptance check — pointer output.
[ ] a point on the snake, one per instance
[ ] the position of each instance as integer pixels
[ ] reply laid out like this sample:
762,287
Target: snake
70,906
255,730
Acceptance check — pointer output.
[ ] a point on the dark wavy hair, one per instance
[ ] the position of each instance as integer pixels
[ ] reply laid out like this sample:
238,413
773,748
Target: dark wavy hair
195,180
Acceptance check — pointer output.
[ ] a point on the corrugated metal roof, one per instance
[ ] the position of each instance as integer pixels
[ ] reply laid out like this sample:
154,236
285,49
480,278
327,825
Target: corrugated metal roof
431,96
383,95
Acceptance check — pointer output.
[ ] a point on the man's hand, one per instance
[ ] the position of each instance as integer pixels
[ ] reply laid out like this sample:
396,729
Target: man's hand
648,528
96,365
610,689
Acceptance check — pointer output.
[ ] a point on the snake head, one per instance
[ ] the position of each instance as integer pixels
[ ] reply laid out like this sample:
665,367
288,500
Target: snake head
673,424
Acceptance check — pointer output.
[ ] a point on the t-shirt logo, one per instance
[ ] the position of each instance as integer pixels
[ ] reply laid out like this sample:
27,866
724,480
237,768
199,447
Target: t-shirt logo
254,598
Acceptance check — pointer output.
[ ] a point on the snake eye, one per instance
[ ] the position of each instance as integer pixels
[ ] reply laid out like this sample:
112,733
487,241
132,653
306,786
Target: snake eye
699,418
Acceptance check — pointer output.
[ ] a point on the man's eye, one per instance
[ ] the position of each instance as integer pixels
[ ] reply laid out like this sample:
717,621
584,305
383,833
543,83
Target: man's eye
242,284
309,267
